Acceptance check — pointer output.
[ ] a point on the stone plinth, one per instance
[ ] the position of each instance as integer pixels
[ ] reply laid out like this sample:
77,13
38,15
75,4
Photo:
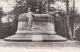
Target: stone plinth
41,23
43,29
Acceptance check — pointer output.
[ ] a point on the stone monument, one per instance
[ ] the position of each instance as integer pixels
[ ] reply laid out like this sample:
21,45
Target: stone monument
43,29
41,23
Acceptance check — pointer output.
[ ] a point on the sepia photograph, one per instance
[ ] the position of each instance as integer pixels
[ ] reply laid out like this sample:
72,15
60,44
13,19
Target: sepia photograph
39,25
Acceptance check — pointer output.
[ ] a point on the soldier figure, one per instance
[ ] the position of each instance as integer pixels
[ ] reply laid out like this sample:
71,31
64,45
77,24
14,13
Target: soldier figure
30,18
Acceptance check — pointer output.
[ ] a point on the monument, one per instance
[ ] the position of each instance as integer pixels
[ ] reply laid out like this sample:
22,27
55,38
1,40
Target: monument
43,23
43,29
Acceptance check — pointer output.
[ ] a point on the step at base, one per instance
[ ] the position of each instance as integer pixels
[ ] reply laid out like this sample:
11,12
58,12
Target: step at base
35,38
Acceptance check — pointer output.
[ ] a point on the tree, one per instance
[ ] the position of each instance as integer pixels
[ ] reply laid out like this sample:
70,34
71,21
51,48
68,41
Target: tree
68,21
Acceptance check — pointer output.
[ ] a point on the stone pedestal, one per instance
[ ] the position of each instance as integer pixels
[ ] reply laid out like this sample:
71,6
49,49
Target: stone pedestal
42,29
41,23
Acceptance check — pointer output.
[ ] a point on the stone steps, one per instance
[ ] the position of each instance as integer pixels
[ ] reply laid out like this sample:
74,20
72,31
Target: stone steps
35,37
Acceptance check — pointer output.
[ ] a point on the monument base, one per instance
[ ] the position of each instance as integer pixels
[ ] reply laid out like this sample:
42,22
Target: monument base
35,37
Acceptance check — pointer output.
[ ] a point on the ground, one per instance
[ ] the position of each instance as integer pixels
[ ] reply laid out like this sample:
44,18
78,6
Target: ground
7,46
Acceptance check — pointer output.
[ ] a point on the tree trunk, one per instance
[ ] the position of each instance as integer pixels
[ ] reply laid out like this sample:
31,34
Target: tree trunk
68,22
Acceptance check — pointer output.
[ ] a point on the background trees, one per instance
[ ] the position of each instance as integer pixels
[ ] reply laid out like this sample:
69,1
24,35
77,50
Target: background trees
67,23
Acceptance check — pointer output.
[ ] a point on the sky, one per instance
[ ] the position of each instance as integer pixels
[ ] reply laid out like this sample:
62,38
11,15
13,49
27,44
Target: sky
77,5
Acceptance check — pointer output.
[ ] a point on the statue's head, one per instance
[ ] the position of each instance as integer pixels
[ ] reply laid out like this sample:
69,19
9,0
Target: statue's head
29,9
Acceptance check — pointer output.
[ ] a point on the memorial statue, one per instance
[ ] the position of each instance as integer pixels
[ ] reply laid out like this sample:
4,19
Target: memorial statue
40,23
25,21
30,19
